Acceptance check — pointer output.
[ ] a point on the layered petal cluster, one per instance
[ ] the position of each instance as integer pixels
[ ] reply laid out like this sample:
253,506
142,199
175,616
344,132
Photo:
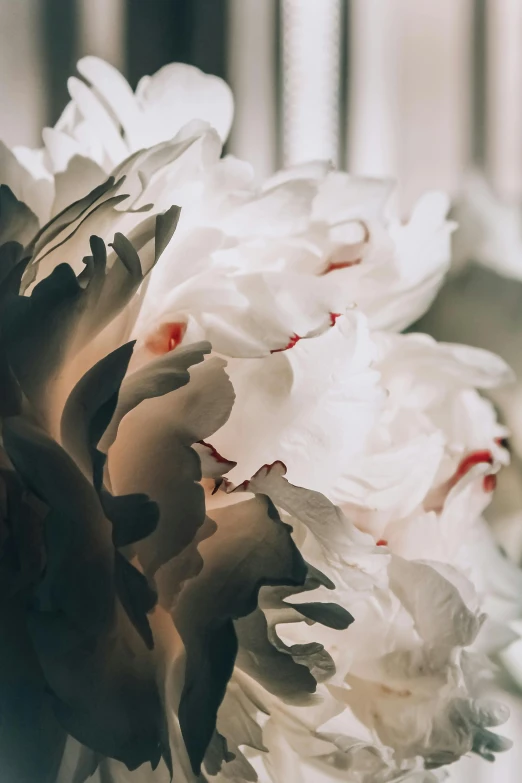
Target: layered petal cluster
119,592
201,539
480,304
253,267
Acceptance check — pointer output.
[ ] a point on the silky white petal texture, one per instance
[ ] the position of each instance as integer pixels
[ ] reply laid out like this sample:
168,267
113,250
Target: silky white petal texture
480,304
310,406
433,429
162,105
387,421
402,683
445,535
334,256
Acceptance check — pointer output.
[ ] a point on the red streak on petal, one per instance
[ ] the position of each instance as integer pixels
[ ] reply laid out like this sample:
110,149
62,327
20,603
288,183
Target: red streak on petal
475,458
490,482
267,466
382,542
167,337
293,340
216,455
333,318
333,266
437,498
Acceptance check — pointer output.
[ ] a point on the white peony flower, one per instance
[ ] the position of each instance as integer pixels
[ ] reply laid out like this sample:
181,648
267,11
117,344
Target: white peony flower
390,452
313,240
404,677
106,122
480,304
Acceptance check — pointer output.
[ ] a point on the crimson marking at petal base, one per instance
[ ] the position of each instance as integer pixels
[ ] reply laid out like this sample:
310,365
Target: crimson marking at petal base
468,462
167,337
333,318
382,542
293,340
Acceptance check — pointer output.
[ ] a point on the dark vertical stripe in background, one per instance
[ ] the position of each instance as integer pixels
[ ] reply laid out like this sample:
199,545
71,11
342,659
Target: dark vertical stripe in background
59,31
157,32
163,31
344,84
209,36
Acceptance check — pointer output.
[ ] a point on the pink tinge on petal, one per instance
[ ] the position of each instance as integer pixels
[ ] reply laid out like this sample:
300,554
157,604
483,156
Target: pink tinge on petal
333,266
293,340
167,337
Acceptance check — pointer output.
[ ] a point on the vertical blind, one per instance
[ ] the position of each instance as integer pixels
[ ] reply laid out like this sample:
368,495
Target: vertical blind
412,89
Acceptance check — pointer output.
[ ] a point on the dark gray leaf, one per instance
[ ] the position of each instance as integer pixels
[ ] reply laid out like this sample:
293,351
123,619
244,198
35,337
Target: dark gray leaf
329,614
166,225
136,596
250,548
165,467
31,739
10,255
133,517
91,405
275,669
157,378
17,222
61,316
69,216
100,674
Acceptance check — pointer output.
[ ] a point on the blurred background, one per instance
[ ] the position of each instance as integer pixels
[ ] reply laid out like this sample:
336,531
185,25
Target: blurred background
428,92
414,89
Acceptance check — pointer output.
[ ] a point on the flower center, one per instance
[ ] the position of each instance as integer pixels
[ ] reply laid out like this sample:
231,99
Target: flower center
167,337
